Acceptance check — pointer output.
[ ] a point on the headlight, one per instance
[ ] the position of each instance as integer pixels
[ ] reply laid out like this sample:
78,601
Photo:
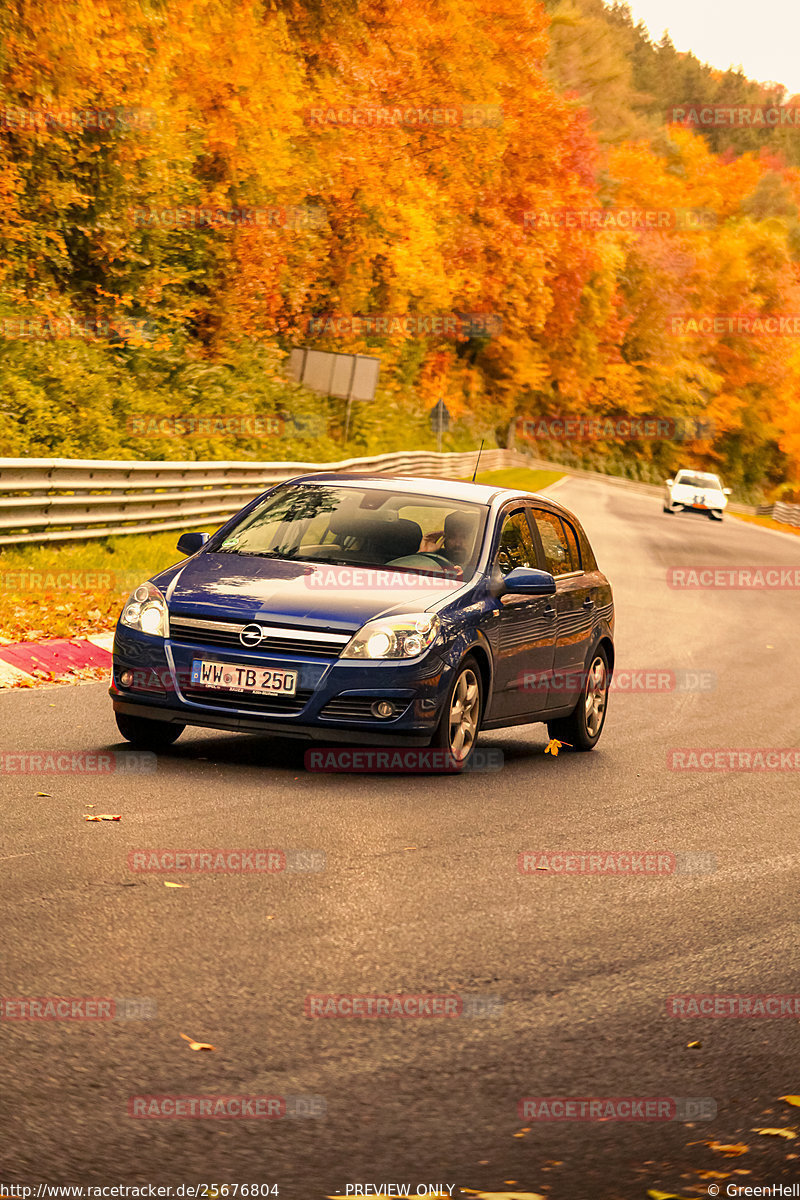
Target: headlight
146,610
396,637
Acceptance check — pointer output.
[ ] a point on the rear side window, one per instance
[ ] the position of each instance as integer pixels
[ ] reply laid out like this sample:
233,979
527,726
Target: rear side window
560,547
587,554
572,542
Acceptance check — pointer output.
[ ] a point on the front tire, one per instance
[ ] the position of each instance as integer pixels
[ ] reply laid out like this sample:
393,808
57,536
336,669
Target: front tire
582,728
146,734
462,712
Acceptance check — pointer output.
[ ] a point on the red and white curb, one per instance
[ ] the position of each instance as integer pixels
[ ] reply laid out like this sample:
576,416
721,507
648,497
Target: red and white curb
26,663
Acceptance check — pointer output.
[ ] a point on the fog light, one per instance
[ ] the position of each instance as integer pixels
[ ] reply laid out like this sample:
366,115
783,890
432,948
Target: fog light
382,708
126,678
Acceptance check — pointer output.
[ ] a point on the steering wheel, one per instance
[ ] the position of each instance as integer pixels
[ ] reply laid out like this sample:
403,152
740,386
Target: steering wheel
440,560
412,560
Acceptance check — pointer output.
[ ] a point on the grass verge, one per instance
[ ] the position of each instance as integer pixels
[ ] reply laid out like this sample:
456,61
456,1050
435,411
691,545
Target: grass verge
76,588
520,477
766,523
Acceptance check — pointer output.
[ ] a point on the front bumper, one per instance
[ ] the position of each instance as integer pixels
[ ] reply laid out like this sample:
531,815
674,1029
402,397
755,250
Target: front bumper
247,724
162,690
686,506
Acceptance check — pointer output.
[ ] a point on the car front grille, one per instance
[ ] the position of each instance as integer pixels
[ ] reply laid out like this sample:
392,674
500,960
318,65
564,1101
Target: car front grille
276,639
268,705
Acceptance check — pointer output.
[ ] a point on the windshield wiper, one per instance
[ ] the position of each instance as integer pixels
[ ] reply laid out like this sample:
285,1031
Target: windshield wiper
254,553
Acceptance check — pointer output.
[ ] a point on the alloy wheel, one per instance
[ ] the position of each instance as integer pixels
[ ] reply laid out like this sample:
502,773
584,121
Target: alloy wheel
464,713
596,696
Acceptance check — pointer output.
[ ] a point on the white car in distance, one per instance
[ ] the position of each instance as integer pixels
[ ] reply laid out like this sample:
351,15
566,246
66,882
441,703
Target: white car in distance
696,491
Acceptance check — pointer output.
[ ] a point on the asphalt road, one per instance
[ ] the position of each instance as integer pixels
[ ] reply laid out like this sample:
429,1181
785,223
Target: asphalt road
422,895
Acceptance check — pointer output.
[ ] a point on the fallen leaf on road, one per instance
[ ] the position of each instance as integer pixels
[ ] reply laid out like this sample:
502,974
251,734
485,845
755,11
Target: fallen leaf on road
714,1174
169,883
104,817
500,1195
795,1100
554,745
784,1133
654,1195
43,794
694,1045
732,1150
193,1045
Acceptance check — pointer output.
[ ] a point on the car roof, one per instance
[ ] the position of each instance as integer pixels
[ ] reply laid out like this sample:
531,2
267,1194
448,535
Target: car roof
415,485
447,489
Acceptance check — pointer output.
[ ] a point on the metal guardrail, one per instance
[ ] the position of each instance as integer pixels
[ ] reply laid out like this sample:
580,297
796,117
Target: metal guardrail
787,514
62,499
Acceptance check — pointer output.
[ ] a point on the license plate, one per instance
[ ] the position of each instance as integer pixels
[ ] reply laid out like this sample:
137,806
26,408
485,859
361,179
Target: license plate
255,681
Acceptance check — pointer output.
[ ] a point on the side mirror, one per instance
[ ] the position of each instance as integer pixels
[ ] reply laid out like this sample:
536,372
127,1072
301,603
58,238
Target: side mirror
726,491
529,582
670,482
190,543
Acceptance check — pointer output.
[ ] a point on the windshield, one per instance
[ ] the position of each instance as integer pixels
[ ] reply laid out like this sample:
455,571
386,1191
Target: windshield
698,480
361,526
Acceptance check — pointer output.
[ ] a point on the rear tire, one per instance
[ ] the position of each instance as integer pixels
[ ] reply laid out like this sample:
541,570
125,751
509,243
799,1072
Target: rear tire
462,711
146,734
582,728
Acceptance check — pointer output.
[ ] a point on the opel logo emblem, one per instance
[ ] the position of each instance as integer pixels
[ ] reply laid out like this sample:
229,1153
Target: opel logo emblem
251,635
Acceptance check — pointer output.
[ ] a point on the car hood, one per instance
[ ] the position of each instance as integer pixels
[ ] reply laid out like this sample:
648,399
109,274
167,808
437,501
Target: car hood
686,491
240,587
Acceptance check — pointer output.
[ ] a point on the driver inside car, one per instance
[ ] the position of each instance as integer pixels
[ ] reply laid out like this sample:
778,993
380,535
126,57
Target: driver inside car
455,539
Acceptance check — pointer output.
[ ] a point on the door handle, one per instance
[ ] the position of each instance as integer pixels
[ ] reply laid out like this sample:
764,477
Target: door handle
549,611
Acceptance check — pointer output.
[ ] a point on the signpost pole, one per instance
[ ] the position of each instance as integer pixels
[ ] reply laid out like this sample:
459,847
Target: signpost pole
349,400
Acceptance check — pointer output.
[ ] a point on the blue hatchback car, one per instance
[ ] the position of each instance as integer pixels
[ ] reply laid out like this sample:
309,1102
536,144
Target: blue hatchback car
373,610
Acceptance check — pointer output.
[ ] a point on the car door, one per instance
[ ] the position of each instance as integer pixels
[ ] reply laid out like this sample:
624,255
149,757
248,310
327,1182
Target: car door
524,627
574,602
